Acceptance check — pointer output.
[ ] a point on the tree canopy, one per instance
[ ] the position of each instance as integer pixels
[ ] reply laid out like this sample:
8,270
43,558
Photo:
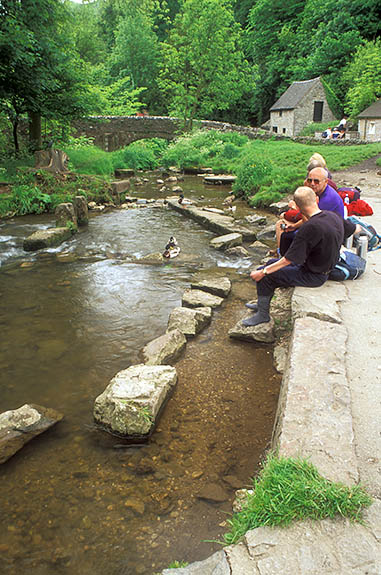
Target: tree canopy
228,60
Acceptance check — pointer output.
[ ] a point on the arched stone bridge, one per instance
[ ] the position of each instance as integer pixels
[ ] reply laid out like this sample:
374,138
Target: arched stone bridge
114,132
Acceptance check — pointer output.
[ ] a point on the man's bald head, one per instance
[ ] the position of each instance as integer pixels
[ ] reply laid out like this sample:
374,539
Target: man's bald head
317,179
305,199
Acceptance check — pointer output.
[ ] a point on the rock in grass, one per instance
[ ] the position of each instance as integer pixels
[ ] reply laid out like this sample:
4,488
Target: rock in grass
189,321
131,402
164,349
18,426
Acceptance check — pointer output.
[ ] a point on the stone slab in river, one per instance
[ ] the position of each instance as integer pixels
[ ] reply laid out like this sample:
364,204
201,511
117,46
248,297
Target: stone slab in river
190,321
124,173
219,286
227,241
131,402
18,426
164,349
221,179
198,298
46,239
264,332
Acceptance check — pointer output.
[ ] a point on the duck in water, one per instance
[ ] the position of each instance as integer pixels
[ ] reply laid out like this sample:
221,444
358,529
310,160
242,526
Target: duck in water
172,249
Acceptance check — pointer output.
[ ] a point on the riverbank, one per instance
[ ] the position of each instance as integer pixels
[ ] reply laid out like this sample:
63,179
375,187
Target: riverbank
329,411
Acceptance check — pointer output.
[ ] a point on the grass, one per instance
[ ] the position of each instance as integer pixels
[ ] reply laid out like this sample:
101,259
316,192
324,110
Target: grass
289,490
140,155
266,170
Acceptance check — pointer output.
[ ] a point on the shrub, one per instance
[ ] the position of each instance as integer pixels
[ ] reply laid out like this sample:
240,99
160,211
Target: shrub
25,200
251,176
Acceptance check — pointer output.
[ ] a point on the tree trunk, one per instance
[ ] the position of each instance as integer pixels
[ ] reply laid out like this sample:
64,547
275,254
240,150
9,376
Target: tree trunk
35,138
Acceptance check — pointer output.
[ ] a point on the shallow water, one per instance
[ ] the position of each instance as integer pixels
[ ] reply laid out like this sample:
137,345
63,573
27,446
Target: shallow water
76,500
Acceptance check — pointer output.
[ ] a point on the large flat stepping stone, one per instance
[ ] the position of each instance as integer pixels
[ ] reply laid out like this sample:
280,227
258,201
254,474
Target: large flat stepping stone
164,349
131,402
46,239
19,426
198,298
226,241
216,286
124,173
264,332
190,321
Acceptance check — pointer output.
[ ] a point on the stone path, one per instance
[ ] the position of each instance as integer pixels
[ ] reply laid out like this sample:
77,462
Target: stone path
330,411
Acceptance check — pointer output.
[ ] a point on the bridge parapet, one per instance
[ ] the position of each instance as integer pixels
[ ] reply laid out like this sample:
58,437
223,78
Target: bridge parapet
114,132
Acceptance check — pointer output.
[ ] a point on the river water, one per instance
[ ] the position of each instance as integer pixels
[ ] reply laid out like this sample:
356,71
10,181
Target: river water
77,500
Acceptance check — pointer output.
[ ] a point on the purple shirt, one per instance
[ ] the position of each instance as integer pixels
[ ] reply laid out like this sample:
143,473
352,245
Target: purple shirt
331,201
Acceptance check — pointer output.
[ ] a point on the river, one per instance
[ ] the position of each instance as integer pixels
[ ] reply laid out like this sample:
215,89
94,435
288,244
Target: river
77,500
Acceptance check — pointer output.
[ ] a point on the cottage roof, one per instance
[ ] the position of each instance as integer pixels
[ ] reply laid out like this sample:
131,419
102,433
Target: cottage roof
294,95
373,111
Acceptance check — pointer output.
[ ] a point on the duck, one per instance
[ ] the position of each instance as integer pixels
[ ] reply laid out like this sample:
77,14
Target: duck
172,249
183,201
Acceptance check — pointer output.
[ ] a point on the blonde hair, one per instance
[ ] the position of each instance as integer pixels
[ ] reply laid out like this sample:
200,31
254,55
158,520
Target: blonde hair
316,161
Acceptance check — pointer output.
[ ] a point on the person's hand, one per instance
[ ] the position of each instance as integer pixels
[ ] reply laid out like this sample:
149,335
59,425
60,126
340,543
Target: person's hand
257,275
292,205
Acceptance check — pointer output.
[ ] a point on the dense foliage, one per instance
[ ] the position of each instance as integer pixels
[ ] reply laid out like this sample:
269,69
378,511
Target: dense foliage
222,59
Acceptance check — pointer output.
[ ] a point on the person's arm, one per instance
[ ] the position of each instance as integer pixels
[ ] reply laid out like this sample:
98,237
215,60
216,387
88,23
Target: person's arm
257,275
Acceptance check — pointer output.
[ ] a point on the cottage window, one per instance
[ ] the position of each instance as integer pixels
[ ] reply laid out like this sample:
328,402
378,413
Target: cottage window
284,130
275,129
372,128
318,111
280,113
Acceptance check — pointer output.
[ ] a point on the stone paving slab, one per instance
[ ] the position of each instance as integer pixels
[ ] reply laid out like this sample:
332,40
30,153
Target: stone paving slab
322,302
326,547
314,411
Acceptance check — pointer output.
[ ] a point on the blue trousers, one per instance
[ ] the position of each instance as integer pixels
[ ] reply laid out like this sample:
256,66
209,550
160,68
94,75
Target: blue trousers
289,276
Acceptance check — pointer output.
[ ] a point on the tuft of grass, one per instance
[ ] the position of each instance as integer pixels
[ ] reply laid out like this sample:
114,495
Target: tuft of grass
177,564
289,489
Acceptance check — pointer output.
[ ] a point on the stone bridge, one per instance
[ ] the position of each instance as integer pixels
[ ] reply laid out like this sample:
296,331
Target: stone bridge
114,132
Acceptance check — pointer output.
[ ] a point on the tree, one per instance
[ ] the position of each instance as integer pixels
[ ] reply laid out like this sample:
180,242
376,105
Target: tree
40,72
203,66
362,78
136,54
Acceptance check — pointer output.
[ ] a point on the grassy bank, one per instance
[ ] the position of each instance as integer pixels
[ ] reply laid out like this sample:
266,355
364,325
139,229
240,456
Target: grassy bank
266,170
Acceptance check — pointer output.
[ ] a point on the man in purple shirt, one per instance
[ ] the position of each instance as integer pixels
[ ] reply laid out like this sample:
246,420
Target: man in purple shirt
329,199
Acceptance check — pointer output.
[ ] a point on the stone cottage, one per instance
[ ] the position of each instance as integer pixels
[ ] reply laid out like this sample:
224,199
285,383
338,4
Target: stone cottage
302,103
370,123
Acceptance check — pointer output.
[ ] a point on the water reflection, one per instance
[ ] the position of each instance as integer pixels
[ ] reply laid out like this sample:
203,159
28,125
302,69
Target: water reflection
77,500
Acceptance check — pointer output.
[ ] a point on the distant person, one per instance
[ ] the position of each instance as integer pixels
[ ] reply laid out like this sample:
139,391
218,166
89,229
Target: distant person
309,259
327,134
343,124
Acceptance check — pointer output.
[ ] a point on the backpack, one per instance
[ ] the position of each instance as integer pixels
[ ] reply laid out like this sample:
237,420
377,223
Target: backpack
359,208
374,240
352,193
349,267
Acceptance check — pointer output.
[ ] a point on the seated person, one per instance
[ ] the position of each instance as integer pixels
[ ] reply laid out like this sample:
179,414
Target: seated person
329,200
310,258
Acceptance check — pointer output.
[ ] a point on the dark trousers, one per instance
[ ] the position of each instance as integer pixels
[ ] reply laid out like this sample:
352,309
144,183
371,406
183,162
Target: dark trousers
289,276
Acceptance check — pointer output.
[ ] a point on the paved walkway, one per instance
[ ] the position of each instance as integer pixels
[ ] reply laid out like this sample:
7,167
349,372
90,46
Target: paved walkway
330,411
